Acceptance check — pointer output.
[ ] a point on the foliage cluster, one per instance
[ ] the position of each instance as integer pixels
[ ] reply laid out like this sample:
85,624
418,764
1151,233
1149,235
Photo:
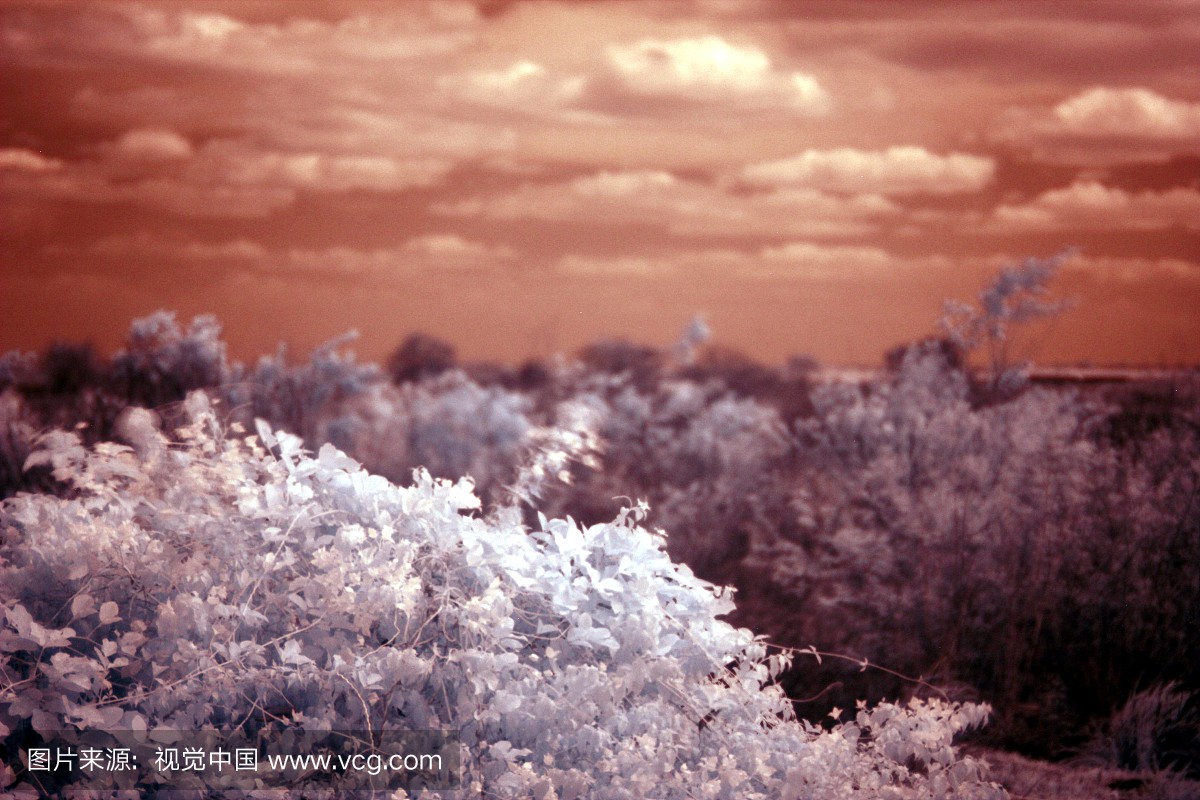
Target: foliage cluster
1010,546
447,424
218,581
70,387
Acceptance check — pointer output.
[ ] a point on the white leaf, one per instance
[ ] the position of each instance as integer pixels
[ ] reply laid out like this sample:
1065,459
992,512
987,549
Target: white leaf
506,702
109,613
82,605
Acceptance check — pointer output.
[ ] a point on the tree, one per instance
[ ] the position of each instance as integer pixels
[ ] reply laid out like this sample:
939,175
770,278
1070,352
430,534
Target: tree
420,356
1016,295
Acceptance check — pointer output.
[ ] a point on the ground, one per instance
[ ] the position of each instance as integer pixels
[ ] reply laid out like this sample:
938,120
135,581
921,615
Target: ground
1027,779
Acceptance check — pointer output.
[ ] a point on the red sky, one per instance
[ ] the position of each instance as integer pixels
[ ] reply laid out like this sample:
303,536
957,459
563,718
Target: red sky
522,178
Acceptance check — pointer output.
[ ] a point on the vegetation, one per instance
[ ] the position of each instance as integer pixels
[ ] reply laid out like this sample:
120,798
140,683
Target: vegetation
211,581
996,539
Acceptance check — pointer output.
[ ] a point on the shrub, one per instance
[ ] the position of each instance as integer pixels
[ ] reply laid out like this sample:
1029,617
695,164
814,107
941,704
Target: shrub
68,369
420,356
930,534
303,399
449,425
643,366
162,362
16,443
1016,296
704,459
17,369
1157,730
220,582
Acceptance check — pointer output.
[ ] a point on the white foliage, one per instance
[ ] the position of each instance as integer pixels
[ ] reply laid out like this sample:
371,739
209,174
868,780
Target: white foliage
449,425
917,511
224,577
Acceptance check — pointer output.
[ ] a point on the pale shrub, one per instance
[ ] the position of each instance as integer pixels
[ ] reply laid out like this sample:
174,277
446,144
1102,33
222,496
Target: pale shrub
449,425
190,586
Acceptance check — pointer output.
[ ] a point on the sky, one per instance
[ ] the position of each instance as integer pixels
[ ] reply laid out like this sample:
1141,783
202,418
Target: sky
522,178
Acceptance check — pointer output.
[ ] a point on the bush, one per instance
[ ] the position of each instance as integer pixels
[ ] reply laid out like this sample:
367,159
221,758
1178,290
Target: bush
420,356
17,369
449,425
304,399
220,582
68,369
1016,296
1157,730
643,366
162,362
16,443
705,460
933,536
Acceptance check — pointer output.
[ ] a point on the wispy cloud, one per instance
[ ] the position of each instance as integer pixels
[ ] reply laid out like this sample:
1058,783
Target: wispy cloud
896,170
683,207
1089,205
1104,124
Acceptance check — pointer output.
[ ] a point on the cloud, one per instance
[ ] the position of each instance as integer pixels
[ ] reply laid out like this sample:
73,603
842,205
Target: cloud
431,254
341,262
144,246
708,69
153,144
451,248
243,164
897,170
428,253
825,256
293,46
224,178
709,62
524,85
1138,113
615,266
1111,41
1104,123
356,122
1122,270
20,158
811,260
791,261
1089,205
86,183
683,207
173,78
622,184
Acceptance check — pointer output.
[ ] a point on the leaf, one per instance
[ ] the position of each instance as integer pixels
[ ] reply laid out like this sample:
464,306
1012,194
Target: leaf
109,612
504,749
82,606
21,620
506,702
289,653
265,434
30,630
36,459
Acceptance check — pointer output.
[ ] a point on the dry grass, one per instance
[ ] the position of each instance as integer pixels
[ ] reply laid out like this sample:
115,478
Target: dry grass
1027,779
